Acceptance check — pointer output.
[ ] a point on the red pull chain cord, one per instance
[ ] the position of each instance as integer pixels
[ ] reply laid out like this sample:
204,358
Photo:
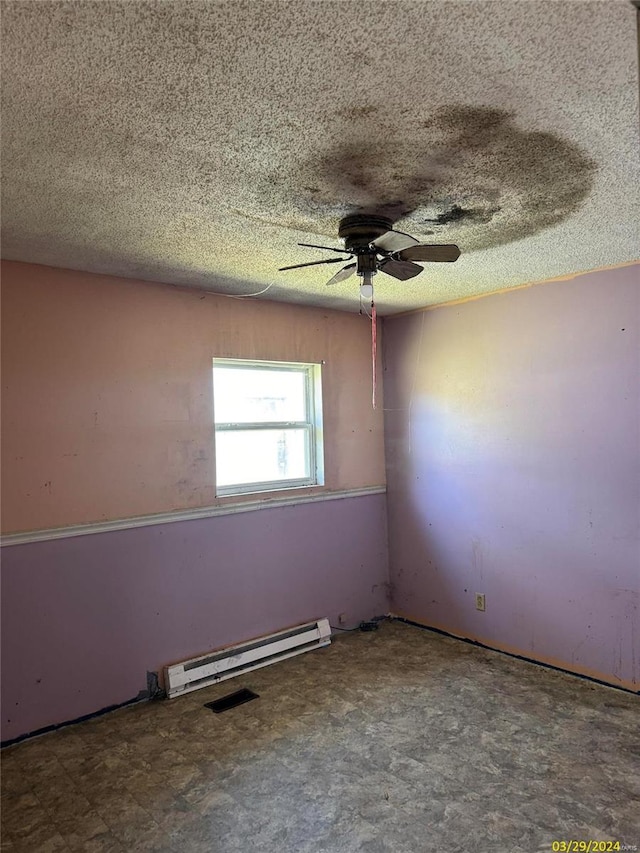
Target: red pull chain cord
374,349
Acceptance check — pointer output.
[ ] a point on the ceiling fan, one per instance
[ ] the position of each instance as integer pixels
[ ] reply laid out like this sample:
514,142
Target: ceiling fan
375,247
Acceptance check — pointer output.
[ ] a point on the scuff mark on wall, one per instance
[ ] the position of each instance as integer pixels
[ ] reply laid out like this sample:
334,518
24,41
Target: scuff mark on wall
477,558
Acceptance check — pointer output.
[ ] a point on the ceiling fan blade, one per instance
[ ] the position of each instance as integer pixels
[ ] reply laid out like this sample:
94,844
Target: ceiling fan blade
312,264
328,248
399,269
394,241
345,272
441,253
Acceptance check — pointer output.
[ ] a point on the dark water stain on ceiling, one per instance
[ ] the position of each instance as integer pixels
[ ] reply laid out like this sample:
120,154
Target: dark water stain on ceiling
465,174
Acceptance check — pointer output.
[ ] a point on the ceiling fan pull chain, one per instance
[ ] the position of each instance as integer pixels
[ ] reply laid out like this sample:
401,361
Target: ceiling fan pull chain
374,348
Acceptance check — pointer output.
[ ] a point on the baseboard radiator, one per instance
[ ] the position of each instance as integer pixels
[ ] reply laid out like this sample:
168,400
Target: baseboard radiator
236,660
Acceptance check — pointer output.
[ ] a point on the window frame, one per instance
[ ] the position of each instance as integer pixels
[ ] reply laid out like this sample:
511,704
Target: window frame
314,450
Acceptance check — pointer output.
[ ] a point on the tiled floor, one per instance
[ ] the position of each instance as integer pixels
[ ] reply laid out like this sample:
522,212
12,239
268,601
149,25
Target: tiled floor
401,741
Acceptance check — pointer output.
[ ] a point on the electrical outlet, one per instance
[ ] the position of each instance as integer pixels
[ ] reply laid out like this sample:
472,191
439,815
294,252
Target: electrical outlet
480,605
342,618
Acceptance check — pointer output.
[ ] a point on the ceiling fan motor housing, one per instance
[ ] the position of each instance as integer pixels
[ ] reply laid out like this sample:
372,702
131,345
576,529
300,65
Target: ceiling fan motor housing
360,230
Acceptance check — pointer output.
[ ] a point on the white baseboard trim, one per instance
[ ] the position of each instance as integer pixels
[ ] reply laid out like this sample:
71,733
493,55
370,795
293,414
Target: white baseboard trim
183,515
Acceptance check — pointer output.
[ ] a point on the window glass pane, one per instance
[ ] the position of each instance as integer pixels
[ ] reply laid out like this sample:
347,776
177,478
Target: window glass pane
243,395
257,456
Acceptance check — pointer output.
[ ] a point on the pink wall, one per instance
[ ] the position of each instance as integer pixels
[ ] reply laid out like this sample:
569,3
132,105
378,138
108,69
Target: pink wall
107,393
512,437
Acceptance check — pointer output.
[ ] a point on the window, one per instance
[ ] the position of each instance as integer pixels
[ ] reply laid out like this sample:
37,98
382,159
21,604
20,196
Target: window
268,419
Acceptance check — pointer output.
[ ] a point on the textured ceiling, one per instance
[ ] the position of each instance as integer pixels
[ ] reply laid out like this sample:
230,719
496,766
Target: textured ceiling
198,142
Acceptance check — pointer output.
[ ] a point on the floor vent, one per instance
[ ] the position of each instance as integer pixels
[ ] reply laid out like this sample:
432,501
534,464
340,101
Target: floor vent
232,700
236,660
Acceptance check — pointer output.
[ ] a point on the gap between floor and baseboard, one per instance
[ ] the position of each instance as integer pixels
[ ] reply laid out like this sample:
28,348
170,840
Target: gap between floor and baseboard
153,691
55,726
443,633
377,619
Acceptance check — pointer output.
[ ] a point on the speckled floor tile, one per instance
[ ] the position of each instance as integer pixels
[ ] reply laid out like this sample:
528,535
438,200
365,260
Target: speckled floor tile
398,741
45,839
